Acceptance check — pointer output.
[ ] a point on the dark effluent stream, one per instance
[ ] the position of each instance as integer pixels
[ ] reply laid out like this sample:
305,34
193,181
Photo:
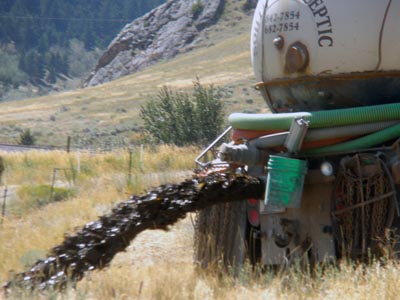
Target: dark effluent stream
95,245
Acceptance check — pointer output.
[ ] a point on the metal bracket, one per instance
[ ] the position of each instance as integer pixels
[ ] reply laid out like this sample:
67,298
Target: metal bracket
211,148
297,133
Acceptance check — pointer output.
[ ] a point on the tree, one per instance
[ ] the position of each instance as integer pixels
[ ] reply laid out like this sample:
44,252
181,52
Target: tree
209,112
38,26
182,119
26,138
32,63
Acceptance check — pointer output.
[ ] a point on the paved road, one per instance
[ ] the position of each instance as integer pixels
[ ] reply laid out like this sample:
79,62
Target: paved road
20,148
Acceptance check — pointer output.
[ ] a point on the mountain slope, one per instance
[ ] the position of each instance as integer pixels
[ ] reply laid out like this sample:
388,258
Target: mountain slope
109,113
159,35
41,40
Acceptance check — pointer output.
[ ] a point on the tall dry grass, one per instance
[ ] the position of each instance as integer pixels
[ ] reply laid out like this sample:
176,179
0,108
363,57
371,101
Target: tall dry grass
36,167
157,264
103,180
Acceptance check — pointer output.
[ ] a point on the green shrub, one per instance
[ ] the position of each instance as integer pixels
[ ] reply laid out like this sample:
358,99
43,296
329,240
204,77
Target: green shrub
10,75
182,119
31,197
249,4
197,9
26,138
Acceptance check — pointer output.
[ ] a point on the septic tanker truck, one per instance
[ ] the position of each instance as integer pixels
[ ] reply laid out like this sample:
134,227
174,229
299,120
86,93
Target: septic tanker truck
329,71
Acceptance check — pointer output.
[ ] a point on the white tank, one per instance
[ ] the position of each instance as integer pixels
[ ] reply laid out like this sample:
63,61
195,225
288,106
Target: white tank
326,54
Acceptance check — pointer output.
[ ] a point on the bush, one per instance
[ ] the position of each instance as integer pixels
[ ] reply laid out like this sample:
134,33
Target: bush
182,119
32,197
26,138
10,75
197,8
249,4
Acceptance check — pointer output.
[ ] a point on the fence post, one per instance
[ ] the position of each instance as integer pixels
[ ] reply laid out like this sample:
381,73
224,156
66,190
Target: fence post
3,208
78,158
130,165
141,158
53,182
68,144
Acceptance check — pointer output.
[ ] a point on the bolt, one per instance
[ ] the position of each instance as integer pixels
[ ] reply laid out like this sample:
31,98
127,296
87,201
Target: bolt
279,42
324,94
297,58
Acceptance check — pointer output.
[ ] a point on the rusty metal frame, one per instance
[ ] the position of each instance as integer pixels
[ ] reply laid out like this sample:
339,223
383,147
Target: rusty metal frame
288,81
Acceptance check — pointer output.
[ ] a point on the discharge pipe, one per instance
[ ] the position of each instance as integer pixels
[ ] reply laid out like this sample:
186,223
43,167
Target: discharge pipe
253,153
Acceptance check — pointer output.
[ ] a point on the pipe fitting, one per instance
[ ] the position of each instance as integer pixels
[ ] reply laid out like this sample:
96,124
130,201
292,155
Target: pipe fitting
297,58
243,154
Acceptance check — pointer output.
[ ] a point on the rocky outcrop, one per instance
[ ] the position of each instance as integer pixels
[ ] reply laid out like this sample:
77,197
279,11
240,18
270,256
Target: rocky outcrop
158,35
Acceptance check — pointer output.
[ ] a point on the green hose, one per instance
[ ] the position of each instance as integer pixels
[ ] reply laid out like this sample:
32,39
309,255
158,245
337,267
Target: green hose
360,143
318,119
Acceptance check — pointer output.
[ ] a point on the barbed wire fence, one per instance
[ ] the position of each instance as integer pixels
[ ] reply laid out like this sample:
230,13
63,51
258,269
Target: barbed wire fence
83,143
94,144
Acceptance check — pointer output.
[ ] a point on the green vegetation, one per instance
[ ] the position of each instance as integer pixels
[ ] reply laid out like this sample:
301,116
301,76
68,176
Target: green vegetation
182,119
197,8
32,197
10,74
26,138
109,114
249,4
38,33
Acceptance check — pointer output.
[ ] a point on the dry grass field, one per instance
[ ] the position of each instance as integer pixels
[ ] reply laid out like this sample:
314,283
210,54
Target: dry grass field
157,264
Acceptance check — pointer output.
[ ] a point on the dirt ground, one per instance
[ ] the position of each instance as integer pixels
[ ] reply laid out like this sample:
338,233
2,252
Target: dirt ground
153,247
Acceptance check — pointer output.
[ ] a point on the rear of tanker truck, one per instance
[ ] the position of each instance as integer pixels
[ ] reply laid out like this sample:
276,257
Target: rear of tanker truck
329,71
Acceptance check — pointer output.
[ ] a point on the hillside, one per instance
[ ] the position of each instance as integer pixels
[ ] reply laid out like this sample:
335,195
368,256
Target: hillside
172,28
109,113
45,44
